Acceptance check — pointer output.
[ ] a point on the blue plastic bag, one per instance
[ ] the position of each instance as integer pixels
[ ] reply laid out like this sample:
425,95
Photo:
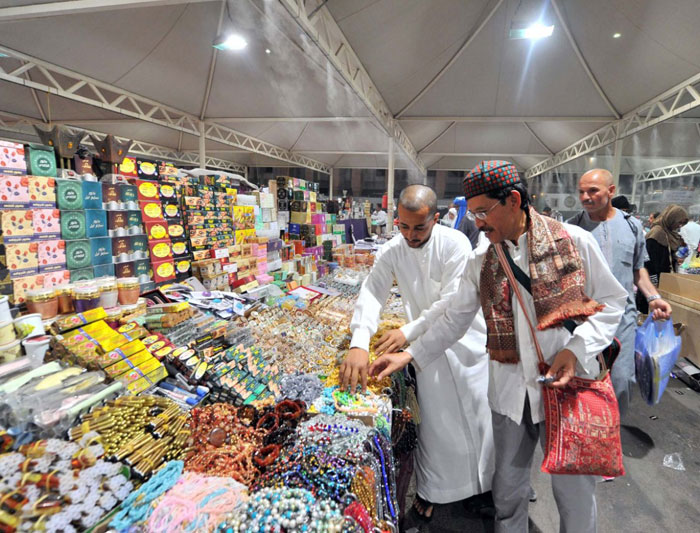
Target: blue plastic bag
656,349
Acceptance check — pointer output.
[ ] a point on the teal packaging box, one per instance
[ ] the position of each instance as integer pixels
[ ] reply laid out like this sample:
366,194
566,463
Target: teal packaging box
81,274
133,218
72,225
95,223
141,266
78,254
103,270
69,194
101,250
127,193
41,160
92,195
139,243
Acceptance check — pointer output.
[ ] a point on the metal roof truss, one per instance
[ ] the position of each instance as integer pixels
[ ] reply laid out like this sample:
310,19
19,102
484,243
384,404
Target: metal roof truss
74,86
672,103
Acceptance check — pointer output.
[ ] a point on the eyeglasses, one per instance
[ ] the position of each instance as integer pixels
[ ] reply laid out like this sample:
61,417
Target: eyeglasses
481,215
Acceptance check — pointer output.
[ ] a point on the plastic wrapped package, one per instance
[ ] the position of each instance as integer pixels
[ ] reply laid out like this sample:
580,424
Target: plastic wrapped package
656,349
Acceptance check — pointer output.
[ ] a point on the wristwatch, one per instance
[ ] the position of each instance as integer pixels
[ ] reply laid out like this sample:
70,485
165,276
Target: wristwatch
653,297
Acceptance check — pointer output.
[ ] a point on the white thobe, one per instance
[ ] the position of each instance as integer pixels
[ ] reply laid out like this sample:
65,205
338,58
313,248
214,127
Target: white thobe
454,458
509,383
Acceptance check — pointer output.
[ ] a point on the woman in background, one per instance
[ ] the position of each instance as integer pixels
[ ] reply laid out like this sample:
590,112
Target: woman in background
663,240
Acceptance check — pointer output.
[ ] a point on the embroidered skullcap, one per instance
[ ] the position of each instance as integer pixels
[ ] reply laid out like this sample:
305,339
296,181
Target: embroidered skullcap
490,176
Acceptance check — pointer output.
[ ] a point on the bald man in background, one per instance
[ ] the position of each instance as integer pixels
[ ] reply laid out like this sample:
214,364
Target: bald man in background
621,239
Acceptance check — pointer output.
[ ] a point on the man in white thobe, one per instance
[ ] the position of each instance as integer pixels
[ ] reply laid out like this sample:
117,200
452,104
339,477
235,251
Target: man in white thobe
454,455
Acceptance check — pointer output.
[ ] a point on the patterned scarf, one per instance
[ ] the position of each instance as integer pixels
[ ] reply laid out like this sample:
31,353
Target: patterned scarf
558,280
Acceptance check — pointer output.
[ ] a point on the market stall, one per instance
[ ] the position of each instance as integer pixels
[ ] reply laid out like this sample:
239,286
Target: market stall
170,344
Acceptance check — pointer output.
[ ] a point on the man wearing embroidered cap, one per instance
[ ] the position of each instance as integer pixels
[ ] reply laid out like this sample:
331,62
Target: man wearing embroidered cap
569,280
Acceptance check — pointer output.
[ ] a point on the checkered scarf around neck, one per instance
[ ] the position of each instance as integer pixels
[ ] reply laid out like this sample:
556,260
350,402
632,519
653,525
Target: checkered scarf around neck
558,280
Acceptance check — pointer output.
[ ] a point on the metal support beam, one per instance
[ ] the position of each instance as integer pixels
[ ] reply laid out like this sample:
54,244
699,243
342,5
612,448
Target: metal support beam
72,7
292,119
582,60
485,120
324,31
331,179
23,125
202,146
688,168
617,162
452,60
672,103
390,185
481,154
89,91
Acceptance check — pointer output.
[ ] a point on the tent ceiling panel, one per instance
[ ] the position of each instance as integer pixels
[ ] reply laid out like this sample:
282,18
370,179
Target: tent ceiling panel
362,161
343,136
404,43
274,85
160,74
519,78
658,47
456,163
293,80
559,135
424,132
487,139
120,40
18,100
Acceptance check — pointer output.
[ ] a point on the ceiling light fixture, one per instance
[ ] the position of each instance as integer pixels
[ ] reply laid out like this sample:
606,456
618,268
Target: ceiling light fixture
268,51
230,42
533,32
617,35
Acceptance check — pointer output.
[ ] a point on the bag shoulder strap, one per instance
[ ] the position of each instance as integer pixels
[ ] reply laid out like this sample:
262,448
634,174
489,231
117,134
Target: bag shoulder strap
506,261
631,224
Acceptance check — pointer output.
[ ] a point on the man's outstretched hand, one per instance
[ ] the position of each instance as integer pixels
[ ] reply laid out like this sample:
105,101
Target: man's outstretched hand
354,370
392,341
389,363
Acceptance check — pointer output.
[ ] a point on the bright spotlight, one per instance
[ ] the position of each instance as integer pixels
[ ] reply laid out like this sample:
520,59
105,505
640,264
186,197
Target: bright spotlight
538,31
230,42
533,32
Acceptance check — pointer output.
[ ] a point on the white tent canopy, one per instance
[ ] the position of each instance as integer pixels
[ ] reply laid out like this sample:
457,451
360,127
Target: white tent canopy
343,78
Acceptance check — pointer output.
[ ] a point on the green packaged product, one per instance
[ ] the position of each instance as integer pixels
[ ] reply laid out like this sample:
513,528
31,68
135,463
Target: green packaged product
78,254
72,225
41,160
69,194
81,274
